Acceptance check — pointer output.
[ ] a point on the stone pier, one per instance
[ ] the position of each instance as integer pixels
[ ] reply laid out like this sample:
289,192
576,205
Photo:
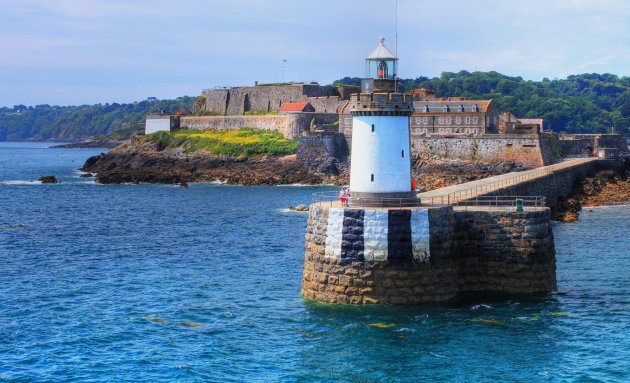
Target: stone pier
422,255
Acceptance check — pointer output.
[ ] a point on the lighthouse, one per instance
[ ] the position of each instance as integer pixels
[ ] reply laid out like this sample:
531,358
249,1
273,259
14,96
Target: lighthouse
380,170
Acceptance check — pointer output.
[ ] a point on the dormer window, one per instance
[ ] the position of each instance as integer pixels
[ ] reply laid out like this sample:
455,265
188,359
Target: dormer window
445,109
460,108
426,109
475,108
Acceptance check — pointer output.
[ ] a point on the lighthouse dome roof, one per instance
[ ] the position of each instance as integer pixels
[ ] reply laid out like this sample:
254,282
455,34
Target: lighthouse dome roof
381,52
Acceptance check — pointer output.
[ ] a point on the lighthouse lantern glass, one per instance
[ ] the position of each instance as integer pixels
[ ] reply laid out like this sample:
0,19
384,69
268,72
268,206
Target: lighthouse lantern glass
382,69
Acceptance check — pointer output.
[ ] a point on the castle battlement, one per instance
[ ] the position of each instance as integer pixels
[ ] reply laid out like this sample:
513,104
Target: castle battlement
381,104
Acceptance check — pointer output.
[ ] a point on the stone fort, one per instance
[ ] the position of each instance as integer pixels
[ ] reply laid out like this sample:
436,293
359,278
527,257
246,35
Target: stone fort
238,101
452,127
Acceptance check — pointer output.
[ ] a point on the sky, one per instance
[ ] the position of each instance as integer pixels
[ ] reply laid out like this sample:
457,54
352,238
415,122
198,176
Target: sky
71,52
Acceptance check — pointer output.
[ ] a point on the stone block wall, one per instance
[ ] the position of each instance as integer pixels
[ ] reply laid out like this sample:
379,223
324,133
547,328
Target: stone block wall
356,256
320,146
530,149
290,125
327,104
506,252
585,144
380,256
236,101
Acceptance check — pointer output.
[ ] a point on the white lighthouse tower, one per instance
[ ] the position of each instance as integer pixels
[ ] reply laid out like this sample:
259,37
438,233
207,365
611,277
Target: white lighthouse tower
380,171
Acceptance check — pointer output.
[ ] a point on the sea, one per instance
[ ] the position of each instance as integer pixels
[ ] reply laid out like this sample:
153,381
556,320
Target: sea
157,283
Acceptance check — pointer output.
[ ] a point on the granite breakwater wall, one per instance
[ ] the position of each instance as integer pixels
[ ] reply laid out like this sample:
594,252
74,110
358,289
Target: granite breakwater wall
412,256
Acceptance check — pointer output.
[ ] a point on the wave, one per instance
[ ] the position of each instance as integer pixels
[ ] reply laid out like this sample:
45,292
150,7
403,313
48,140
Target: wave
21,182
299,185
612,205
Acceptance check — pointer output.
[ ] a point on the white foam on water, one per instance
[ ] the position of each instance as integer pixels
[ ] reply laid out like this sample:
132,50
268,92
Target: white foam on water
621,205
21,182
295,185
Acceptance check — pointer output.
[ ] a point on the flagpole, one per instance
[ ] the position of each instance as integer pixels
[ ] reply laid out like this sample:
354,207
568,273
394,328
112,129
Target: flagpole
396,52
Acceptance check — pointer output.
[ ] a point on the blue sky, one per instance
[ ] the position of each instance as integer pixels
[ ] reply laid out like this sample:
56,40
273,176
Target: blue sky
89,51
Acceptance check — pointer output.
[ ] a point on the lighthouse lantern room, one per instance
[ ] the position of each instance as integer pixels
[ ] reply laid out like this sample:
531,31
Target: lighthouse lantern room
381,63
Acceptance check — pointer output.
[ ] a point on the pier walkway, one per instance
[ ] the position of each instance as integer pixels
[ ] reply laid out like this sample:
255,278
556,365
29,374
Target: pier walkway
494,185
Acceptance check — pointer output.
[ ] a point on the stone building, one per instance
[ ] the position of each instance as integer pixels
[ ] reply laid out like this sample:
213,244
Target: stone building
446,117
510,124
454,117
158,122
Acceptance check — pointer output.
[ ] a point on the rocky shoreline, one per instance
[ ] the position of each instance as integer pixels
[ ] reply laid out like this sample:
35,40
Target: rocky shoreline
141,160
90,144
604,188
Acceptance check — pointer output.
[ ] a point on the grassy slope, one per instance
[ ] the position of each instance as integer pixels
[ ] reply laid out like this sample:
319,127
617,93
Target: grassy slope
244,142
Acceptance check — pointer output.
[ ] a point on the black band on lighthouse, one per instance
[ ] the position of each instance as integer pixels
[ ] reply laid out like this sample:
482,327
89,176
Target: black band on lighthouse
352,242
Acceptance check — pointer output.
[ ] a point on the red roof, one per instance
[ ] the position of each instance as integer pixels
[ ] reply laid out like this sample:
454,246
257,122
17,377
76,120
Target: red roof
293,107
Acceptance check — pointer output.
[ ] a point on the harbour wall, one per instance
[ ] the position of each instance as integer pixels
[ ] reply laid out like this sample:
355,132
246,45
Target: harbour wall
379,256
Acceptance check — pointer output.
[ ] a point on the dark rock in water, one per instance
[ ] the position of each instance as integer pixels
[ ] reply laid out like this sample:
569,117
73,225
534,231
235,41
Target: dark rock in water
19,227
48,179
183,184
298,208
93,160
87,175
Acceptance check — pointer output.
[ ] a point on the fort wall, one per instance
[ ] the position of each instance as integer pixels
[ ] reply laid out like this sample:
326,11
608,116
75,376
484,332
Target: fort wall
290,125
237,101
534,150
585,144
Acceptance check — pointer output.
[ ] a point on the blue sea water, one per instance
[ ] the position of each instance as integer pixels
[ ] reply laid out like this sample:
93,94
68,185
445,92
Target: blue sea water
154,283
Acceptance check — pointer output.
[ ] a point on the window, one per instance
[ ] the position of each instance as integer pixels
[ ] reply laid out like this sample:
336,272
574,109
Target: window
458,120
372,177
449,120
475,120
475,108
445,109
372,127
468,120
460,108
426,109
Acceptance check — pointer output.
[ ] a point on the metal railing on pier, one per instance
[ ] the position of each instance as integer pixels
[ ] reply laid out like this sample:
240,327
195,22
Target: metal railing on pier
331,199
503,202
